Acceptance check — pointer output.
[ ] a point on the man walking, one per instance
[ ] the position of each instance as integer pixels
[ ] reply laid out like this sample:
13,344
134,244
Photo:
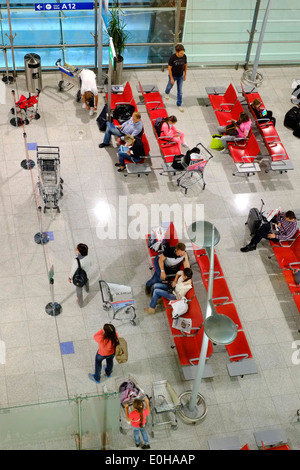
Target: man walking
177,68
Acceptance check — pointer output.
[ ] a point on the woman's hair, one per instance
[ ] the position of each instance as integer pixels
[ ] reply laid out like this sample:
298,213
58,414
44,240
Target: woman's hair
188,273
256,102
129,138
172,118
110,334
243,117
138,405
83,249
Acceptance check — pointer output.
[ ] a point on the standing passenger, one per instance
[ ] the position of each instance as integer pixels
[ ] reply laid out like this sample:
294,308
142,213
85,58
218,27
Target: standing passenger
177,68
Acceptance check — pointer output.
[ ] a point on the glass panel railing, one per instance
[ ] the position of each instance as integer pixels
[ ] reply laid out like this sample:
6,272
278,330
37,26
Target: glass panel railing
83,422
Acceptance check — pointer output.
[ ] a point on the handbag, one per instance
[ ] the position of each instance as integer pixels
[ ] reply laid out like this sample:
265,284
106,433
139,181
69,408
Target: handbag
231,130
121,352
180,307
216,143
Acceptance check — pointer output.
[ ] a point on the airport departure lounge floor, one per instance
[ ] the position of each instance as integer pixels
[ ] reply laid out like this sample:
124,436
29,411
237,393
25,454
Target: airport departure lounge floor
35,371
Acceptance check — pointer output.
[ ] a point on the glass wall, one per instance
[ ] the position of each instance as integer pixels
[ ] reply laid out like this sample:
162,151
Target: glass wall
214,32
80,423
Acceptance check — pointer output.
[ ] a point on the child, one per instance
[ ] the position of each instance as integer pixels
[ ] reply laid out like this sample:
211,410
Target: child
266,117
137,419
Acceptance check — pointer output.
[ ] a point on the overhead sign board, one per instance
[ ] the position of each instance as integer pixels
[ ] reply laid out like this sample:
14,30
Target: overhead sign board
63,6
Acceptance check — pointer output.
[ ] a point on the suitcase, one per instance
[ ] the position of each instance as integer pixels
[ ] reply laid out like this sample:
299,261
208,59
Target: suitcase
255,219
102,119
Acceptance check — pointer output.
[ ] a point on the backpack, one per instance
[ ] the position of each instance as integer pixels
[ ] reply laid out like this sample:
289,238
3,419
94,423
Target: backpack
80,277
157,125
123,112
128,391
121,353
102,119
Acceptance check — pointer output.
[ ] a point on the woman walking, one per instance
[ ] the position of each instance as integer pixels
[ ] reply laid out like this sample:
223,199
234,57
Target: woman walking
107,340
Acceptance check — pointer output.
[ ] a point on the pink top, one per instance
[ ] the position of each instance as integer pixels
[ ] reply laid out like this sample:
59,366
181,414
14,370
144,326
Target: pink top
135,418
168,130
244,128
106,348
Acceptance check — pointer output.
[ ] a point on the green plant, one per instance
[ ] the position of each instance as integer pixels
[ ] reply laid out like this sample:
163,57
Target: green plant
116,30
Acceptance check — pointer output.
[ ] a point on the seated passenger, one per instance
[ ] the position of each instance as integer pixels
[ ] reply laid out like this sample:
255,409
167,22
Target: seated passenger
235,131
285,229
262,114
180,286
168,263
169,130
134,153
133,126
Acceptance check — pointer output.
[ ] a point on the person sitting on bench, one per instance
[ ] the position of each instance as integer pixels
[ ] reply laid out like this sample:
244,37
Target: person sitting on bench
235,131
282,227
133,126
135,151
263,115
168,263
180,286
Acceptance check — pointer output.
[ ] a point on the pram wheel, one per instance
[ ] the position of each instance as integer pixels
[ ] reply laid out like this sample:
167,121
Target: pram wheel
37,116
26,121
60,85
12,110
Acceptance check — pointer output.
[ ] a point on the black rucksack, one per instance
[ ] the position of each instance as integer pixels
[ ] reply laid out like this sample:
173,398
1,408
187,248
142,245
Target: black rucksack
292,117
80,277
123,112
102,119
157,125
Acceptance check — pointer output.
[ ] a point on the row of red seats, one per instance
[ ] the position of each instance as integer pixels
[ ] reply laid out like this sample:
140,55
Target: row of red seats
227,107
223,302
126,97
156,109
288,256
188,346
267,130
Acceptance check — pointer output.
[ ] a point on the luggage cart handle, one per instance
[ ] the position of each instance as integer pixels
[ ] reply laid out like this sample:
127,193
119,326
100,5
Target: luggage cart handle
58,61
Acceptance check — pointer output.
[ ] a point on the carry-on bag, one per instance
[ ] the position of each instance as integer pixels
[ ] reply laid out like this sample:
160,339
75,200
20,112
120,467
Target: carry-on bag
292,117
255,219
216,143
102,119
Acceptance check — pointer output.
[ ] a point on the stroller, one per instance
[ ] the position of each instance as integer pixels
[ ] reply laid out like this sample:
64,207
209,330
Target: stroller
26,108
193,165
128,390
117,299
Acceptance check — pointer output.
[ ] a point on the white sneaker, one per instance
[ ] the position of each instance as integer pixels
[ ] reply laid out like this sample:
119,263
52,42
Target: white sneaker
185,145
180,108
83,105
91,112
224,151
167,96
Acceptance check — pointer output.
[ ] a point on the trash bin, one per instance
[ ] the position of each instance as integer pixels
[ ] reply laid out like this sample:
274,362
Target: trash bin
33,72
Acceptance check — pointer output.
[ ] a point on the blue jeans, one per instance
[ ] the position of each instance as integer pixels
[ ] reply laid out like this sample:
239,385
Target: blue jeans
160,290
98,363
169,86
111,129
136,434
156,276
124,156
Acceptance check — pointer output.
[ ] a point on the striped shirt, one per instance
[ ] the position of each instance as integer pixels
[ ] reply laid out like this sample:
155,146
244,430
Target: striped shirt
287,229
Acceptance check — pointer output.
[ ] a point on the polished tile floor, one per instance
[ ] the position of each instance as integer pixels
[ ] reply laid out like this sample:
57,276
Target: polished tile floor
35,369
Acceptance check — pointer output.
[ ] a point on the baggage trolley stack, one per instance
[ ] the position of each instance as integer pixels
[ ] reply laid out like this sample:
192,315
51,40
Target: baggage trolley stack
50,184
117,300
165,403
129,389
193,171
69,78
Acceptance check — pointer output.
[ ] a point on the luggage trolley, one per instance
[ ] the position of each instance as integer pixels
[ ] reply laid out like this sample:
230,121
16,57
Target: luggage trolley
128,389
69,78
193,170
165,403
50,184
118,299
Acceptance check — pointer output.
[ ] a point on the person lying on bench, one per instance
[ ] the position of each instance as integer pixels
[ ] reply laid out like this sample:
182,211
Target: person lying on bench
135,151
180,286
282,227
262,114
167,264
133,126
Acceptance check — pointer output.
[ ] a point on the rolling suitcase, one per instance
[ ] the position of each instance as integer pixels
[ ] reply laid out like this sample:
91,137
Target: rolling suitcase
255,219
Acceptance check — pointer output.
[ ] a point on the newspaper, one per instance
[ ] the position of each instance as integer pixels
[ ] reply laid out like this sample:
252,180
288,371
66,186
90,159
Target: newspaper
182,324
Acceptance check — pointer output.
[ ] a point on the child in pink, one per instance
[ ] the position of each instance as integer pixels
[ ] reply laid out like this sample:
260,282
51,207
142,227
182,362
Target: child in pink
169,130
